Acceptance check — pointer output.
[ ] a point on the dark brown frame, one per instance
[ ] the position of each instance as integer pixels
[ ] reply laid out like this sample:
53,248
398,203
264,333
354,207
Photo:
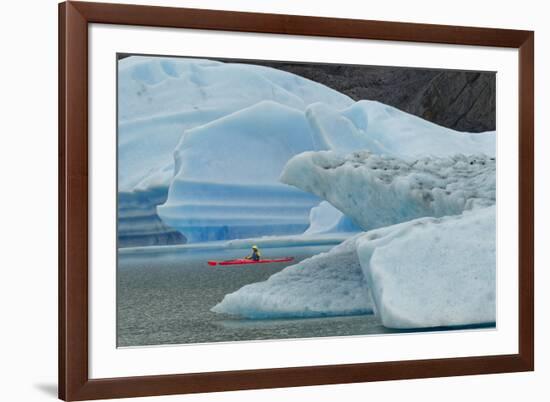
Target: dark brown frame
74,382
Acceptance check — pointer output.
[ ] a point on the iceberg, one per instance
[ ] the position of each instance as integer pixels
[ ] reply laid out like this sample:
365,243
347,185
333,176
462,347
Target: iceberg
201,144
424,194
386,130
376,191
238,155
160,98
226,182
428,258
328,284
433,272
425,273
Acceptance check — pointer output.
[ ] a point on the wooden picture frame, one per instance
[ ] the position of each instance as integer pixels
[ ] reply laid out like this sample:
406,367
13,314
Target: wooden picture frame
74,381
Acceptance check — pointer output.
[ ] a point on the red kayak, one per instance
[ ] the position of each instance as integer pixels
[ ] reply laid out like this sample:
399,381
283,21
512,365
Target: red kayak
242,261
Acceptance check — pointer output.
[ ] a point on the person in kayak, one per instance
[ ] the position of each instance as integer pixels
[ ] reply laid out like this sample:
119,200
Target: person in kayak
255,256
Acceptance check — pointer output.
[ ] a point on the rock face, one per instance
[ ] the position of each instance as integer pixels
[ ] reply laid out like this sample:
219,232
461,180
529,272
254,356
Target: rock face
461,100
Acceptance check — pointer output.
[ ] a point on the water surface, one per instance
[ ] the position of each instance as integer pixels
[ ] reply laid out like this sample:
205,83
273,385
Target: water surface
165,298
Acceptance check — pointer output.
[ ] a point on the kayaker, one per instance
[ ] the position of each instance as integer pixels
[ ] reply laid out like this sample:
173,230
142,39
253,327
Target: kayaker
255,256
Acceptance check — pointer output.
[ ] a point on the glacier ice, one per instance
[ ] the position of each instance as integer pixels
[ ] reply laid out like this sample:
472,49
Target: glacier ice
183,121
433,272
324,219
424,273
159,98
386,130
377,191
418,270
226,182
328,284
252,145
138,223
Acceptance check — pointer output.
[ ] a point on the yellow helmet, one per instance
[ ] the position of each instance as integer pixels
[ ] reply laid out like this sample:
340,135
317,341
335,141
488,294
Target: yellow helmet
255,247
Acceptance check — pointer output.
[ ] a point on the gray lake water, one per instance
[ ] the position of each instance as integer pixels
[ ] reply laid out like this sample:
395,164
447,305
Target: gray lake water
166,299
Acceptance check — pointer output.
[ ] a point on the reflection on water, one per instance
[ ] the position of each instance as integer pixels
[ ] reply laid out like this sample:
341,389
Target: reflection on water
166,299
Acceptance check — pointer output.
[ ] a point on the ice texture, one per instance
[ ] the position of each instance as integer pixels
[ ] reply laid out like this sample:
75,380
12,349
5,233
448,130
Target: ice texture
211,139
430,260
138,223
386,130
433,272
159,99
328,284
324,219
424,273
226,183
377,191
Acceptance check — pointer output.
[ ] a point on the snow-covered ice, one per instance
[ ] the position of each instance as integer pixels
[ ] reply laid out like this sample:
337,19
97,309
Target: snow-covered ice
433,272
377,191
327,284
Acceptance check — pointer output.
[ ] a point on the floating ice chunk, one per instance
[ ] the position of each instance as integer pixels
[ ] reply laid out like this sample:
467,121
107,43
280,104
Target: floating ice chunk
433,272
328,284
377,191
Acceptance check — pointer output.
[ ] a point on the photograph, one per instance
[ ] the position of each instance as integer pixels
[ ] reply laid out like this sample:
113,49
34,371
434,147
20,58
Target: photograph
275,200
265,200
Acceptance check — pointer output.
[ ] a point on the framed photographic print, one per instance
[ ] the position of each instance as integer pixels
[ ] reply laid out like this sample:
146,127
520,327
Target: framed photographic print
259,200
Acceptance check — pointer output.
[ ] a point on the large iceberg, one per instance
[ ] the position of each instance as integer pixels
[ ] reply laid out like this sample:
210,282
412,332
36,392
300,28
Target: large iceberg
237,160
227,128
421,271
327,284
159,99
377,191
226,183
424,273
433,272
